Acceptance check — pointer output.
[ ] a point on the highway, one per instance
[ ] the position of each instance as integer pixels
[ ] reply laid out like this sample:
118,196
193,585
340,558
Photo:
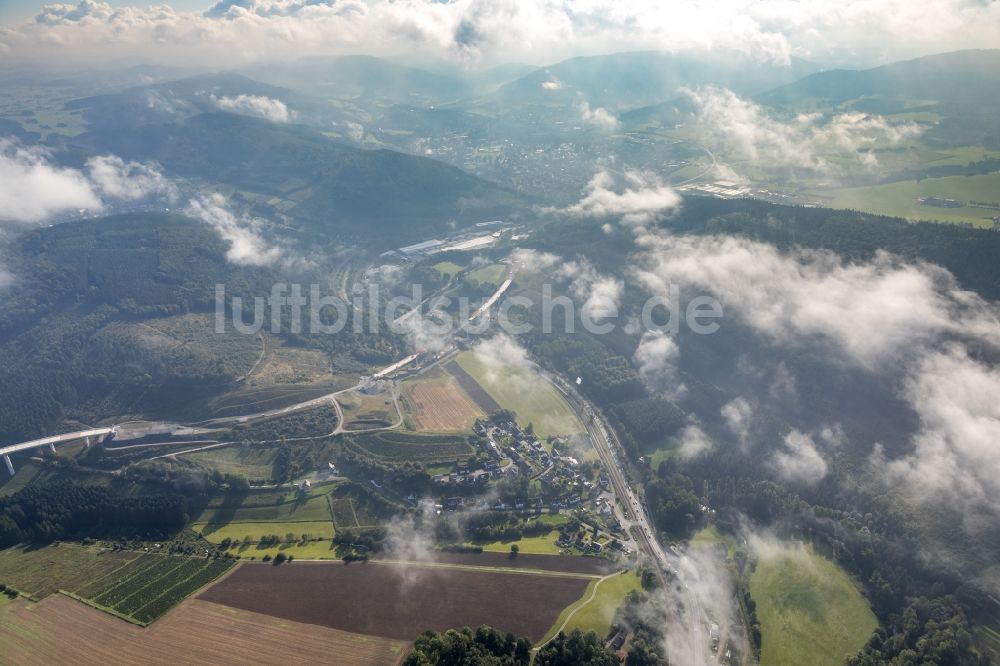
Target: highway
55,439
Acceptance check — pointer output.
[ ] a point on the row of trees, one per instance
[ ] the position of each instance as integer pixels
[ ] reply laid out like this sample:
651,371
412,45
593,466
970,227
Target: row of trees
487,646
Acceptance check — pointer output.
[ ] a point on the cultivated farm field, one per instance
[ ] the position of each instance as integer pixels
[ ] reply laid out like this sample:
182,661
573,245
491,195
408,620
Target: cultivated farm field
60,630
396,445
140,587
41,571
153,584
400,600
438,404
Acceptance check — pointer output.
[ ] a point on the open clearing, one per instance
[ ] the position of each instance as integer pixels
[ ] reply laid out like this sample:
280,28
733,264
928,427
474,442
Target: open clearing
524,392
400,600
362,411
810,610
60,630
447,268
437,403
492,274
900,199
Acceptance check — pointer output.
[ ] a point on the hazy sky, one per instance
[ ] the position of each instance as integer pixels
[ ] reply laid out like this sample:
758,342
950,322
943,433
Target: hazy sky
25,10
852,32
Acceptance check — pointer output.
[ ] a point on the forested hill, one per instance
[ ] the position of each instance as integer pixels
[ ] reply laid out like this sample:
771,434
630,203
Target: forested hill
74,279
960,90
331,187
959,77
139,263
969,253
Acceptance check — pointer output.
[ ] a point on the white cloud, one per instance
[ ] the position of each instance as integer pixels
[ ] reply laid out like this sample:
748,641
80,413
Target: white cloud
255,105
501,352
957,451
910,323
742,130
701,594
6,278
598,117
32,188
693,442
601,294
354,131
738,416
871,312
641,198
656,358
534,260
800,460
247,246
503,30
118,179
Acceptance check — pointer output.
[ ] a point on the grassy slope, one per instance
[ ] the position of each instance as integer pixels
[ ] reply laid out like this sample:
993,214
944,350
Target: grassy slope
252,463
596,615
268,512
810,610
528,395
599,613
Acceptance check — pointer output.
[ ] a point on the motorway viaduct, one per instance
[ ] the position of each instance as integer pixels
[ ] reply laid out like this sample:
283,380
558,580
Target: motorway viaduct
88,436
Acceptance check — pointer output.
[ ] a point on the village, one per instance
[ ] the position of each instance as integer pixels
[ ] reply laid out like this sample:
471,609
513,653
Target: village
518,473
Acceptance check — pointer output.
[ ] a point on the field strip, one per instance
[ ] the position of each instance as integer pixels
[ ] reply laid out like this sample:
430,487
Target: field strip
484,568
354,513
100,580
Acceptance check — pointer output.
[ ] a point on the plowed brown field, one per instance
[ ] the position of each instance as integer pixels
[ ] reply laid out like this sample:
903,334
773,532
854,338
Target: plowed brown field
401,600
60,630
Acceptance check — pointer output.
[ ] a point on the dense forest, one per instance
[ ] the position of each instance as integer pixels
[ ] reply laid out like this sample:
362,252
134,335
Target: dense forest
68,333
924,607
46,512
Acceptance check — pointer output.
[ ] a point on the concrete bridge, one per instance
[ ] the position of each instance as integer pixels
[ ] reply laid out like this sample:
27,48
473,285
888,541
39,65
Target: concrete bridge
88,436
